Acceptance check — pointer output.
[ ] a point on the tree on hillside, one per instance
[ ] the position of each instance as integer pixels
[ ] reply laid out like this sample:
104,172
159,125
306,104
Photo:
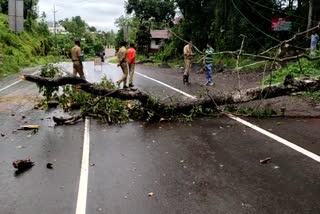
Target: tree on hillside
92,29
151,10
76,27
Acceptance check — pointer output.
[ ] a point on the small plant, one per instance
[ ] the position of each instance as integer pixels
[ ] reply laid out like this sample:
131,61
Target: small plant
49,71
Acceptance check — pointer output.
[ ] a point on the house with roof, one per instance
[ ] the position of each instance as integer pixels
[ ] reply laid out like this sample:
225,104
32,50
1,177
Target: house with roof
158,38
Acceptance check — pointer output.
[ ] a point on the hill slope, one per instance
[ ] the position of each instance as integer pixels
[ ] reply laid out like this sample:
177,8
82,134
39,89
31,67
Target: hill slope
21,49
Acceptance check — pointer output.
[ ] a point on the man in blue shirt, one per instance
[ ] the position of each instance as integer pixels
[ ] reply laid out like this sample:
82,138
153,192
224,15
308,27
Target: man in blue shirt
208,63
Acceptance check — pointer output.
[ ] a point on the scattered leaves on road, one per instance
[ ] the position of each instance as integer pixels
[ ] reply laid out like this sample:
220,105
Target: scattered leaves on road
265,161
49,165
150,194
23,164
2,135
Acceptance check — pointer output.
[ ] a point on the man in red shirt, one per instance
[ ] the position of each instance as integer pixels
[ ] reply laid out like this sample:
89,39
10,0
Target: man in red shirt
131,57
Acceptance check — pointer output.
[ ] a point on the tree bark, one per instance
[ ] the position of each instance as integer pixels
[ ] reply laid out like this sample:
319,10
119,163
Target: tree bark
310,18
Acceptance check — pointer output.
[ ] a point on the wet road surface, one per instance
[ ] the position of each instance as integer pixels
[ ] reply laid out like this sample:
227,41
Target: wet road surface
208,166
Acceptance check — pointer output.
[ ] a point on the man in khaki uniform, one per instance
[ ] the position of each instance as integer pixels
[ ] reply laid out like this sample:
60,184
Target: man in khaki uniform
76,59
122,59
188,56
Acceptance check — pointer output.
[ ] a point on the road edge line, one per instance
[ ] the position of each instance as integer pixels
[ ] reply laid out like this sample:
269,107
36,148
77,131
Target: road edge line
15,83
276,138
84,174
168,86
252,126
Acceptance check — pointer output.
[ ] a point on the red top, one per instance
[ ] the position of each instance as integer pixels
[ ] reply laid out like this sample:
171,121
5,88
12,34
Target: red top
131,55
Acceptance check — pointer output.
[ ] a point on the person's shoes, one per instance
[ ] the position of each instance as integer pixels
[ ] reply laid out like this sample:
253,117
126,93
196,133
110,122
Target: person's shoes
125,87
185,79
131,85
208,84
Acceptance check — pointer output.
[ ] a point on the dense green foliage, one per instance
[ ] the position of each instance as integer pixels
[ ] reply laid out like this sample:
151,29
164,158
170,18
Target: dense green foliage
93,41
220,22
28,48
308,68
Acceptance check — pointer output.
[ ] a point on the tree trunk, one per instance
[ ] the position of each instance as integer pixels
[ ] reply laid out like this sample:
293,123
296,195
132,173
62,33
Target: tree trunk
310,18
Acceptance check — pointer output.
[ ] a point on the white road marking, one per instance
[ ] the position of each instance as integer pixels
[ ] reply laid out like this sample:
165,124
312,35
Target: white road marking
168,86
254,127
15,83
84,174
276,138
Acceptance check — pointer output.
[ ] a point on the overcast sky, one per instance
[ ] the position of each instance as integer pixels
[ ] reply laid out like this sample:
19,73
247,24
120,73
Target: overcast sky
98,13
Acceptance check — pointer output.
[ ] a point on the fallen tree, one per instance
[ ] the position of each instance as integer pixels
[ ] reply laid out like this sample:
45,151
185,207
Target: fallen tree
290,86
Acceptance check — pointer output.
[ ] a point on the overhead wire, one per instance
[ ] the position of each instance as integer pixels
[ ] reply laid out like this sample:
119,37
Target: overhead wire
274,9
253,25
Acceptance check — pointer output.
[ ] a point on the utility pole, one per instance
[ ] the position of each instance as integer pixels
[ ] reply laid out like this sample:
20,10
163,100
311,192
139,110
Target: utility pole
54,25
15,11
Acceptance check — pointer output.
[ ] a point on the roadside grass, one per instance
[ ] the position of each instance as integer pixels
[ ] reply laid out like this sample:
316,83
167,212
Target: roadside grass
315,96
309,69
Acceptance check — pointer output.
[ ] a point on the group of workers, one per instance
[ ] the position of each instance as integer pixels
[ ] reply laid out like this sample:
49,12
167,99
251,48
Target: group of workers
127,61
208,63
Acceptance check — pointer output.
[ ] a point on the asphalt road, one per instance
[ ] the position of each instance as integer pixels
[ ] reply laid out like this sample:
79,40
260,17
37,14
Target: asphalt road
208,166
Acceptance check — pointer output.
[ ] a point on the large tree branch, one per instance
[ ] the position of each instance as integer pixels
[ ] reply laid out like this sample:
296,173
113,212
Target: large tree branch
288,87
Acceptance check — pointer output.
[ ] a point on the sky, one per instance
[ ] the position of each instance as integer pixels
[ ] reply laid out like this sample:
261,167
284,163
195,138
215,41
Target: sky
98,13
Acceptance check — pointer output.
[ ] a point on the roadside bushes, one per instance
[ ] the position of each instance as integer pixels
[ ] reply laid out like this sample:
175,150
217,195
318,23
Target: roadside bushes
20,49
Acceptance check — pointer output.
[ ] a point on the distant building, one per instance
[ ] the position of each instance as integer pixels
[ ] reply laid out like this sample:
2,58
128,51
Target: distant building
59,29
158,38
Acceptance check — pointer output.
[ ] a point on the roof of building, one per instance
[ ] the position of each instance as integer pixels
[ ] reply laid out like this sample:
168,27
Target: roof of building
160,34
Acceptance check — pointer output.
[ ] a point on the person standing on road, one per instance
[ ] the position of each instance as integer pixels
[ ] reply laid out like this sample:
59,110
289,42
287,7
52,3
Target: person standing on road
208,63
188,56
314,43
122,59
131,57
76,59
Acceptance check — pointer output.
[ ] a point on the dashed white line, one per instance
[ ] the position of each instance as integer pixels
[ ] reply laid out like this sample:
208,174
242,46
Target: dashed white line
84,174
168,86
15,83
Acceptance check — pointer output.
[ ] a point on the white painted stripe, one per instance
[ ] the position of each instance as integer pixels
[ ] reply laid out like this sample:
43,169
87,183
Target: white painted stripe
168,86
84,174
254,127
276,138
15,83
